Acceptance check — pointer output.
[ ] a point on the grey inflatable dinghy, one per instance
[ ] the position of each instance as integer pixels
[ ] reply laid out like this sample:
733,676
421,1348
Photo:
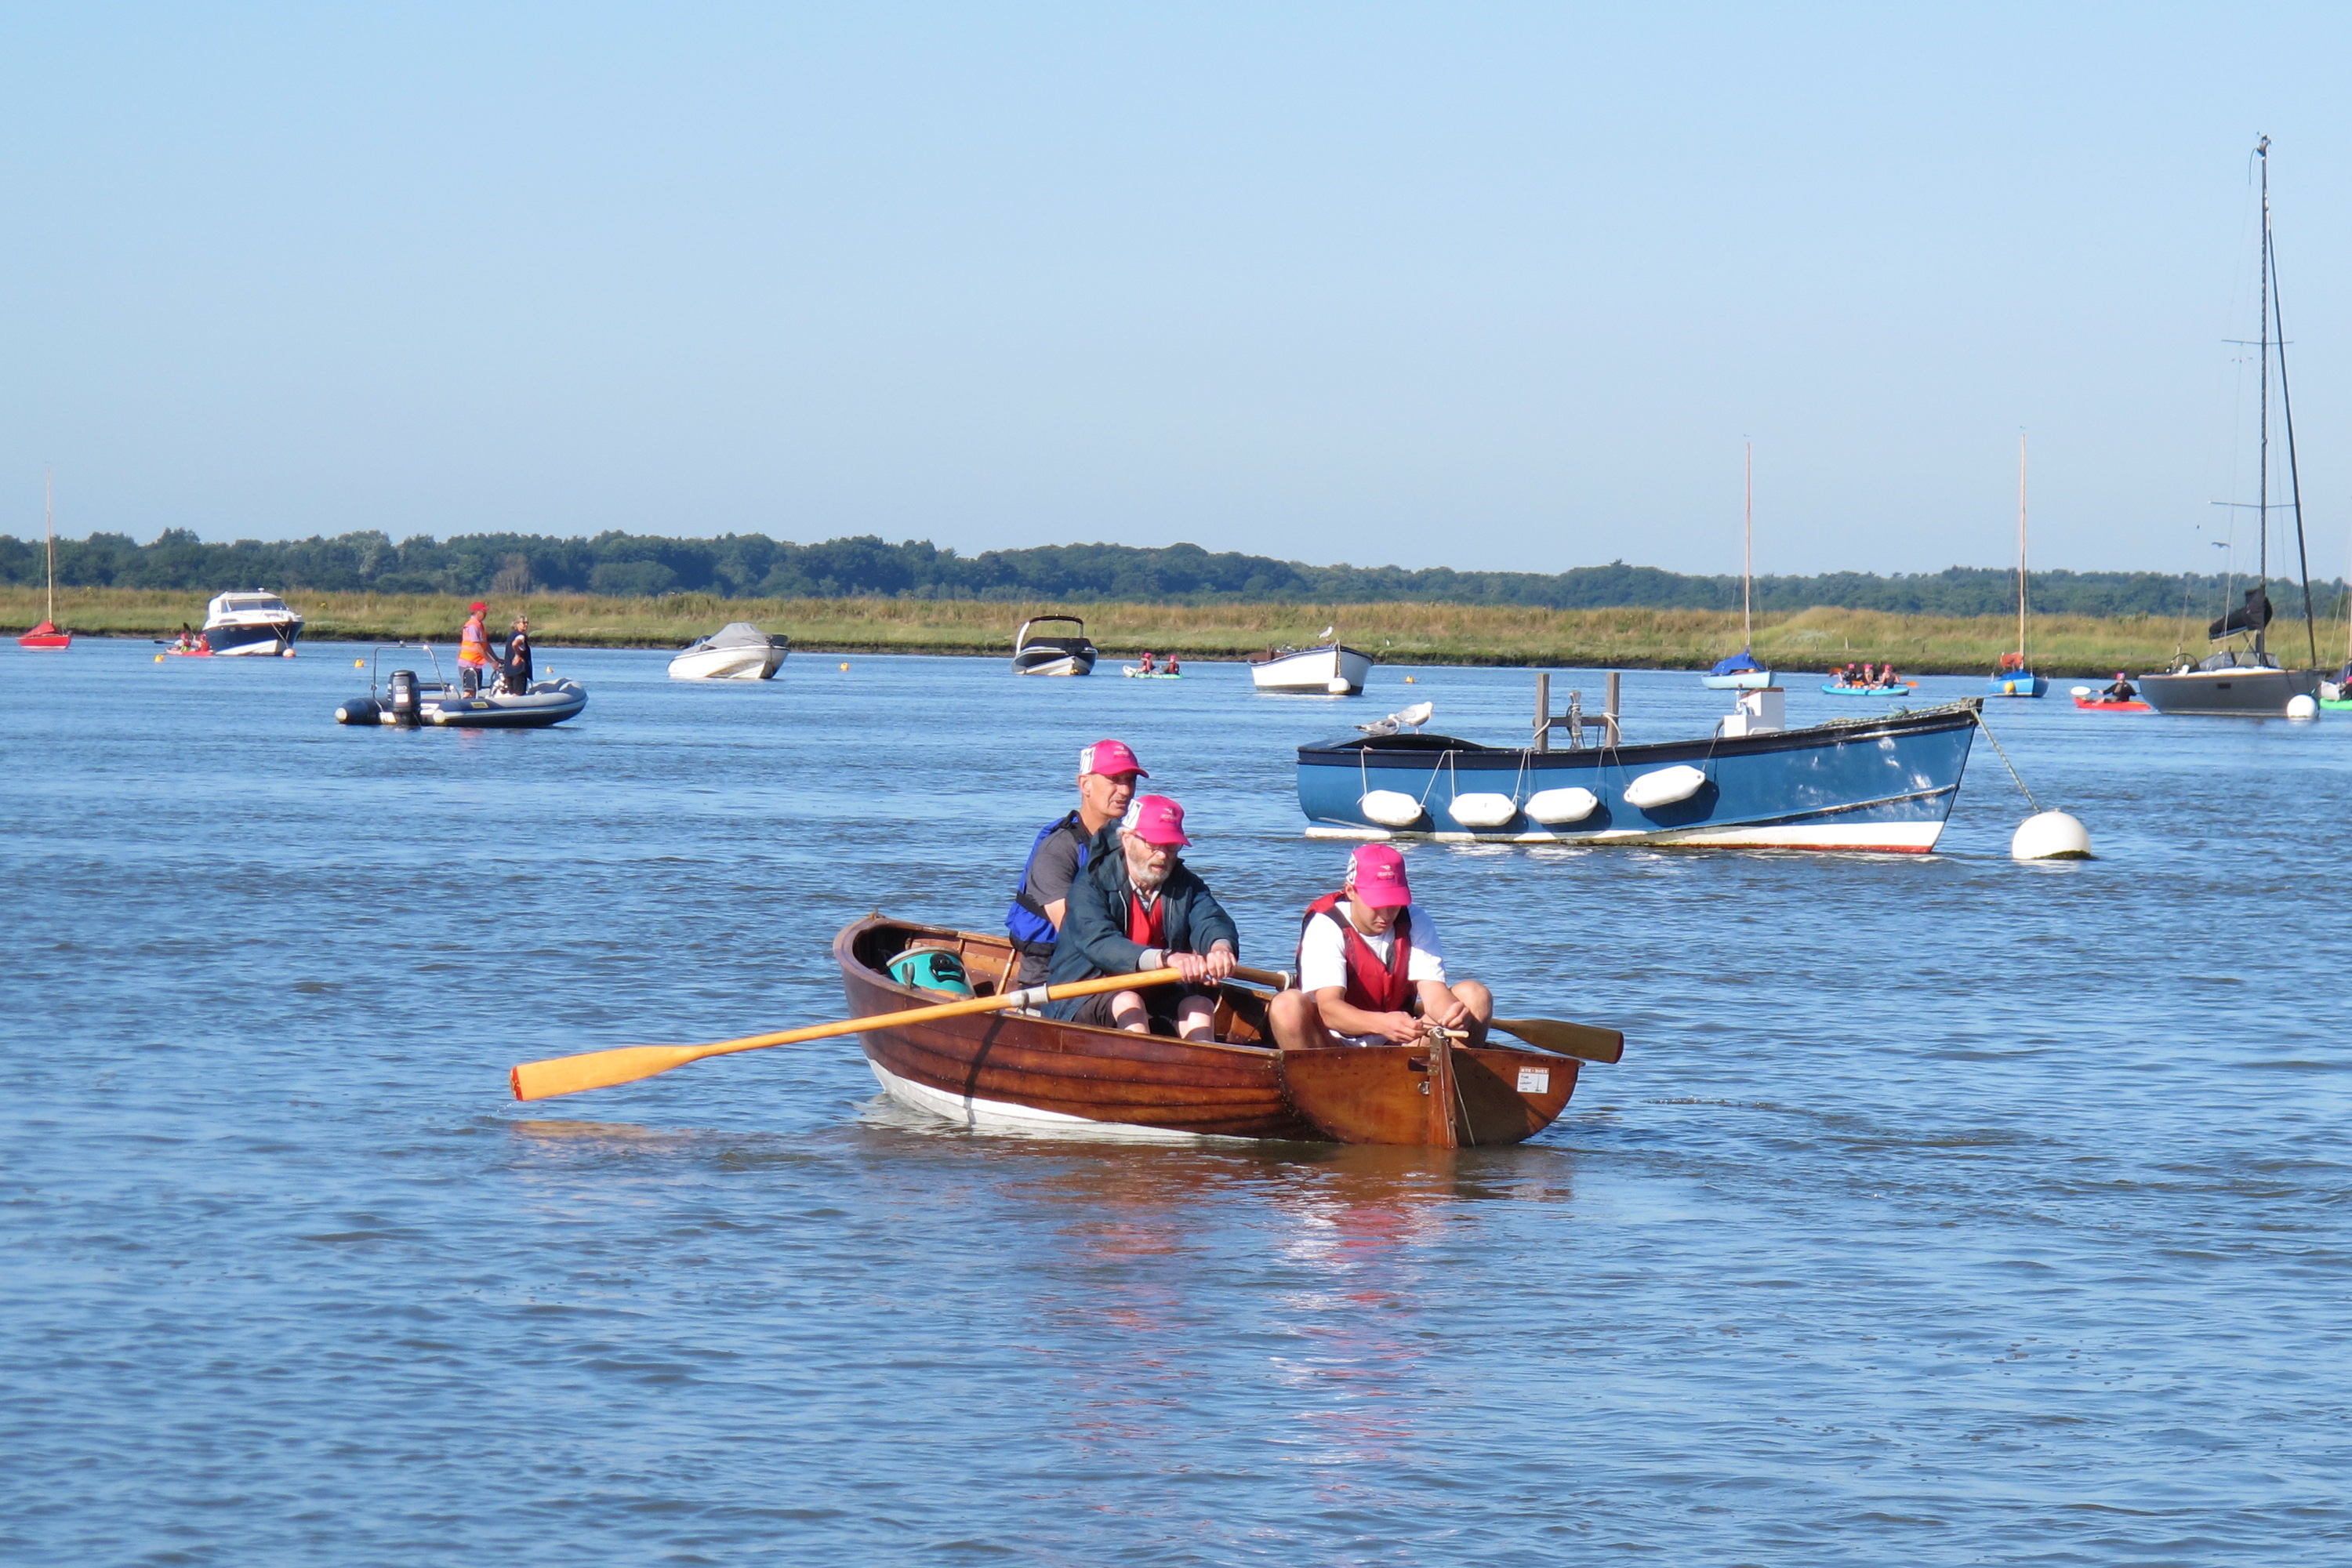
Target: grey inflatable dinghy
409,702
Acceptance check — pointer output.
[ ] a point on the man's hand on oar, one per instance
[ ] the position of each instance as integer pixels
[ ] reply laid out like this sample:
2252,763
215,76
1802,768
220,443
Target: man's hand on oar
1563,1039
604,1069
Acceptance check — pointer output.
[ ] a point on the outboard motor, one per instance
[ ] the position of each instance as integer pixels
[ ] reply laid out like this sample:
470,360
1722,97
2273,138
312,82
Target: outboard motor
401,697
359,711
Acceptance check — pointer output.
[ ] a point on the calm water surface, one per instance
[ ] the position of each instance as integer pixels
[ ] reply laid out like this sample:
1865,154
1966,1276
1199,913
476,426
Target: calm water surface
1943,1210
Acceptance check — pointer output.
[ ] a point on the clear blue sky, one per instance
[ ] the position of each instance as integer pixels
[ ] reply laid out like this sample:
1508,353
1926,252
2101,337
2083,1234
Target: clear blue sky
1492,286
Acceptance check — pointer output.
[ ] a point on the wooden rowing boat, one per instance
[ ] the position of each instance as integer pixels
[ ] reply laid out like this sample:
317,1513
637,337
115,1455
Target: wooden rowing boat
1015,1072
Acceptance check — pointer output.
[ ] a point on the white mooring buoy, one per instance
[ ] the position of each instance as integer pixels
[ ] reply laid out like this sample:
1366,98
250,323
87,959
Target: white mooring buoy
2300,706
2049,836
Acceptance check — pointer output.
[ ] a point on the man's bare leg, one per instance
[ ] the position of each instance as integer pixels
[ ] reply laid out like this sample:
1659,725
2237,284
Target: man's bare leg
1297,1022
1126,1010
1480,1003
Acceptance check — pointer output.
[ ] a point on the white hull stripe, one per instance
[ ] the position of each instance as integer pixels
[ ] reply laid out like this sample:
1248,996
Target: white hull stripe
1001,1116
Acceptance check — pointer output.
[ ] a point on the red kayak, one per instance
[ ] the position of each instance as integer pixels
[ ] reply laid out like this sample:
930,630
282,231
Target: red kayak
2111,706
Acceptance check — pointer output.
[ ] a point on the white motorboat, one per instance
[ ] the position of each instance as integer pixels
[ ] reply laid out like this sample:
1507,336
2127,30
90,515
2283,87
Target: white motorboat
1329,668
250,624
1034,654
736,651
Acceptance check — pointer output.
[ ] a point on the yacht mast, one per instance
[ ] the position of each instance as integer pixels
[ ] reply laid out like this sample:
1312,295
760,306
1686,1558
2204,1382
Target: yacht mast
2262,481
2022,661
2294,471
1747,561
49,532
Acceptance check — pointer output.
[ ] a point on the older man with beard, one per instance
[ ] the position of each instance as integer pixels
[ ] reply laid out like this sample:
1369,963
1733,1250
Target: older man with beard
1140,910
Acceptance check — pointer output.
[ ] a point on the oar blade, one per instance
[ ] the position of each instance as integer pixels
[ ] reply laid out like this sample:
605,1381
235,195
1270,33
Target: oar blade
1584,1041
597,1069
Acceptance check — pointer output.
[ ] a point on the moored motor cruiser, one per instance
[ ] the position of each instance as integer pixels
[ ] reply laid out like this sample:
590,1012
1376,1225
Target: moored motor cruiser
247,623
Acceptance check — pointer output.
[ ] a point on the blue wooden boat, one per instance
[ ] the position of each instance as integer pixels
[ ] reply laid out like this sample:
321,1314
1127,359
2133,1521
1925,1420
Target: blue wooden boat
2017,683
1883,784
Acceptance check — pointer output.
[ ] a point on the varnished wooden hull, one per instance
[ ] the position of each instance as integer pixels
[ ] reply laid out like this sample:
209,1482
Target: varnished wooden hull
1013,1072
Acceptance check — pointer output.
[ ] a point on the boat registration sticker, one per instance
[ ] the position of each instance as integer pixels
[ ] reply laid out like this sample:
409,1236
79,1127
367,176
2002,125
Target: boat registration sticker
1535,1080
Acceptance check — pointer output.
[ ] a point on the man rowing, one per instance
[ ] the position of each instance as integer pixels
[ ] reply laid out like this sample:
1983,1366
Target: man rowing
1370,969
1141,908
1107,776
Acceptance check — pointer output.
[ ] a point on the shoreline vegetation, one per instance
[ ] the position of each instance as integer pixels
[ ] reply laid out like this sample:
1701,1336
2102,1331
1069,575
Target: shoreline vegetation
2063,646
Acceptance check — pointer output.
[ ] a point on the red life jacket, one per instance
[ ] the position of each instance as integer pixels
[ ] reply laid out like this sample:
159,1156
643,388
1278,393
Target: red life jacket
1149,927
1372,986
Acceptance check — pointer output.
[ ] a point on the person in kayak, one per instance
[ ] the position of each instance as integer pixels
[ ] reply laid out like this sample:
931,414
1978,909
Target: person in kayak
516,665
1172,667
473,649
1145,668
1370,969
1107,776
1140,907
2122,690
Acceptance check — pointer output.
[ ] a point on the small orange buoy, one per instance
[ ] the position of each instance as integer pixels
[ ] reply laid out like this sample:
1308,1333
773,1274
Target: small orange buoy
358,664
1408,680
845,667
159,659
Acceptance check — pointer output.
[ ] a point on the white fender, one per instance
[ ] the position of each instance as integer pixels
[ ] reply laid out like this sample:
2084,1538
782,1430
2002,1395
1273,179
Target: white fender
1390,808
2301,706
1483,810
1554,807
1664,787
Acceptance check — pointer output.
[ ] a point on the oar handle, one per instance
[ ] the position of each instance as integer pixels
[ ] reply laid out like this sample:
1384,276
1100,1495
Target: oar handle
1278,979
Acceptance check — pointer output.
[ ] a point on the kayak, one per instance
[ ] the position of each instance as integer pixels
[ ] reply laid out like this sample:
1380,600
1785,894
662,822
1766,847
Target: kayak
1835,689
1132,673
2337,705
2099,706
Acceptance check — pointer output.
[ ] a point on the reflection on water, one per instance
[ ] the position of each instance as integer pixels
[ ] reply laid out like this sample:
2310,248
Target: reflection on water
1942,1210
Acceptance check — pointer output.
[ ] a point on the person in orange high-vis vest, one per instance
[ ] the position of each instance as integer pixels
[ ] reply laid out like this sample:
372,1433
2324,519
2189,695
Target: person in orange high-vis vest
1370,971
473,648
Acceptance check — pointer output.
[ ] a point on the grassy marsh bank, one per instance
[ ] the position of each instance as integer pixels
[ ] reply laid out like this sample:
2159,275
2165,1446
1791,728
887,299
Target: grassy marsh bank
1397,633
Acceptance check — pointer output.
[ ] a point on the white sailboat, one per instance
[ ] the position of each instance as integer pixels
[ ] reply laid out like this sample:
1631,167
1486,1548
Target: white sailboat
1740,671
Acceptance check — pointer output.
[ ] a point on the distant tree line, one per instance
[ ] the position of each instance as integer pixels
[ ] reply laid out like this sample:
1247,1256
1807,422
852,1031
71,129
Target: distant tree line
746,565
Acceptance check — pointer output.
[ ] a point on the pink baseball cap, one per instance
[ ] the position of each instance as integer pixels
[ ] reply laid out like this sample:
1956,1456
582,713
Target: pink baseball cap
1110,759
1155,819
1376,875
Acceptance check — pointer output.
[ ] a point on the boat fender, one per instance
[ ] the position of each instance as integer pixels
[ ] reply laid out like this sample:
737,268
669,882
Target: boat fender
2302,705
2049,836
1390,808
359,711
1482,810
1337,687
1553,807
1665,786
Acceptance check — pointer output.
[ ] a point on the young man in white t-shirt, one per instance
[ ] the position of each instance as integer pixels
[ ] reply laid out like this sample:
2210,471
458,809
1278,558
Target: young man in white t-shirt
1370,969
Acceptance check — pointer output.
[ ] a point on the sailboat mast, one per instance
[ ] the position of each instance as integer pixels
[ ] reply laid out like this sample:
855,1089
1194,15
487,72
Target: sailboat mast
2293,469
1747,560
2022,661
49,533
2262,481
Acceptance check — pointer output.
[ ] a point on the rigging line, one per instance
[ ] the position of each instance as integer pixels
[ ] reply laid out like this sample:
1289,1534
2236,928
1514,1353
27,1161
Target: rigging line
2294,475
2005,761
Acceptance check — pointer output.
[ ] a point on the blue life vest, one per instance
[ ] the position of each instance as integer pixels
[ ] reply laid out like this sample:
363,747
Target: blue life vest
1031,928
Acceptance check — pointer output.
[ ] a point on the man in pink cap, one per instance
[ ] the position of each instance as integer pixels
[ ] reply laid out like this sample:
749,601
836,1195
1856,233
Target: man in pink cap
1138,909
1107,776
1370,970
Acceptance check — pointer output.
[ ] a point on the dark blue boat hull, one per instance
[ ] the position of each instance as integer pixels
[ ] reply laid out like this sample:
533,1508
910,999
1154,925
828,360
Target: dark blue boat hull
1883,784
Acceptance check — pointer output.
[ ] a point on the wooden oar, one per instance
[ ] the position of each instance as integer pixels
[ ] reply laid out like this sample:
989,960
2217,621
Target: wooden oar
1559,1038
603,1069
